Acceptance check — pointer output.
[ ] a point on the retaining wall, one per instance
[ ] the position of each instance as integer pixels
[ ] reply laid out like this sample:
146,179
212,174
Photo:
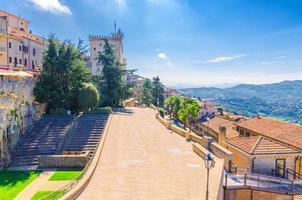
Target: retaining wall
64,161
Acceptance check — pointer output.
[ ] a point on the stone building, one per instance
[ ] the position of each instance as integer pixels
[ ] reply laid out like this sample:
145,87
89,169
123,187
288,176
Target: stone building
97,42
20,49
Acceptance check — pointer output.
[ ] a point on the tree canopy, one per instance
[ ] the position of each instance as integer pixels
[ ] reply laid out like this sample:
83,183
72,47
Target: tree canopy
157,92
183,109
146,96
89,96
63,74
112,84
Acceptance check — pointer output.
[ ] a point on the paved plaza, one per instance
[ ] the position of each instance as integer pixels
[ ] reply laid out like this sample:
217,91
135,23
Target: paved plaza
142,159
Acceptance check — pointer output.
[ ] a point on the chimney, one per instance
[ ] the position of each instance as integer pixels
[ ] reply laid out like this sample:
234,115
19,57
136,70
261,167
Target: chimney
222,135
258,116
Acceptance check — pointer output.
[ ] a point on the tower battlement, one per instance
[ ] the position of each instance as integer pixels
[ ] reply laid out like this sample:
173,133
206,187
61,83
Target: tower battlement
118,35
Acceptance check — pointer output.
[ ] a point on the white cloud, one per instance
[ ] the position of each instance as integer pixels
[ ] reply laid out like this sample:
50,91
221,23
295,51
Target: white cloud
121,3
53,6
162,56
170,63
224,58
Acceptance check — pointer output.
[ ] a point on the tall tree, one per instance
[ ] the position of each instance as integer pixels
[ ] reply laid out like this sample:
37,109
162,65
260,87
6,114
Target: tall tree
112,85
157,92
62,76
146,96
82,48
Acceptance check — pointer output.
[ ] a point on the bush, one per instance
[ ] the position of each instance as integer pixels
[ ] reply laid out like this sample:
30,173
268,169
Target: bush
161,112
58,111
100,110
89,96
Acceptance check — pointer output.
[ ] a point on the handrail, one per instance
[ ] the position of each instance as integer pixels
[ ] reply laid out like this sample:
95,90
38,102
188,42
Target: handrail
263,182
75,181
293,173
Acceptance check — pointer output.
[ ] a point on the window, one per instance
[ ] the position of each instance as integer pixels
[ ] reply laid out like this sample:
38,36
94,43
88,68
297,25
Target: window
25,62
34,51
280,166
94,49
32,64
10,59
15,61
20,61
20,48
10,45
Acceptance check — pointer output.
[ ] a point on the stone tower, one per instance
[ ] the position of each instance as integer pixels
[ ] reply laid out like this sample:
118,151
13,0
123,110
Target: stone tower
97,45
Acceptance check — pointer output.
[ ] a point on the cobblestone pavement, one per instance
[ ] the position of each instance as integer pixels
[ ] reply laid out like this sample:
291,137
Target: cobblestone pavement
142,159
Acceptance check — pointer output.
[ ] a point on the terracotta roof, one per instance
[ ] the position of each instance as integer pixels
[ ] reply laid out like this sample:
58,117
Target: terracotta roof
216,122
259,145
282,131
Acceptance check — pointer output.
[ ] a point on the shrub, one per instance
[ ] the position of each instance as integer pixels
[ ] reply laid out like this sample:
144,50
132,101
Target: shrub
58,111
161,112
89,96
100,110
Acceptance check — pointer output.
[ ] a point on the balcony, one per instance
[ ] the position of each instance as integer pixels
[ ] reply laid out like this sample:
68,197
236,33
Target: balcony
262,183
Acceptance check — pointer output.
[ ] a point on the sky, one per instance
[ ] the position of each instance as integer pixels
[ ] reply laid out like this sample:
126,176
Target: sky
187,43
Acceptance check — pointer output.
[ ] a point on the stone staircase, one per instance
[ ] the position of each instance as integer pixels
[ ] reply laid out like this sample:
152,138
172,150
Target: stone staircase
42,139
86,133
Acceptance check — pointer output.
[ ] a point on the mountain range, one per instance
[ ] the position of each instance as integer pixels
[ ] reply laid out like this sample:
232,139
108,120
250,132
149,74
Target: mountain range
281,100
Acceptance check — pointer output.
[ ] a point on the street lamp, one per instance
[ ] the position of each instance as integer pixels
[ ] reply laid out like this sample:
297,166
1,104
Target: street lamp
209,163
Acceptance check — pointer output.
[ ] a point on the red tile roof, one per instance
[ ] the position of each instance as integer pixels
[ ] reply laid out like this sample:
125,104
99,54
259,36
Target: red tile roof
259,145
290,134
217,122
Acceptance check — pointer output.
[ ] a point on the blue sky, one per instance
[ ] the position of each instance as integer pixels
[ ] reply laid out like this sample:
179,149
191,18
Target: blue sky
185,42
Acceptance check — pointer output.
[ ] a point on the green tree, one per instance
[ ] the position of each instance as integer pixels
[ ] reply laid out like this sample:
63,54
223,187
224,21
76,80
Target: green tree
188,112
82,48
146,96
112,85
62,76
157,92
88,96
173,105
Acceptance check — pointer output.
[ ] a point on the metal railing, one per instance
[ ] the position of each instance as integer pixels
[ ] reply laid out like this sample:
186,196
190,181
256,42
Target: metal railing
262,182
293,174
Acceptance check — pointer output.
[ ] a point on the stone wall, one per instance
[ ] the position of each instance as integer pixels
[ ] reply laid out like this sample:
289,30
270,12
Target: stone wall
222,153
64,161
16,112
248,194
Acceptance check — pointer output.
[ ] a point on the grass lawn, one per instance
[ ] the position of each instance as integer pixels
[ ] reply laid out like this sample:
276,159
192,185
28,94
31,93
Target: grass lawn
46,194
13,182
65,175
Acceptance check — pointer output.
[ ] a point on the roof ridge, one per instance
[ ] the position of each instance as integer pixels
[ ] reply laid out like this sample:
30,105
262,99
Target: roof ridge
256,144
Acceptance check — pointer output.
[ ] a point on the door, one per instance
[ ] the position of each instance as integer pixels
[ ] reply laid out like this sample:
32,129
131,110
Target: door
280,167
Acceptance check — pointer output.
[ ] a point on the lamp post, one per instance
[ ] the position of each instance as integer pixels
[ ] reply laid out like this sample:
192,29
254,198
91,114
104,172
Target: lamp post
208,162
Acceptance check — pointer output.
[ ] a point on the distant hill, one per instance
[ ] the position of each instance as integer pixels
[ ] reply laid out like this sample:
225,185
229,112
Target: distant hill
282,100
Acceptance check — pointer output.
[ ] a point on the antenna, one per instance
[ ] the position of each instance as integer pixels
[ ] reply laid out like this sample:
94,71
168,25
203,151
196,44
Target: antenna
115,26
